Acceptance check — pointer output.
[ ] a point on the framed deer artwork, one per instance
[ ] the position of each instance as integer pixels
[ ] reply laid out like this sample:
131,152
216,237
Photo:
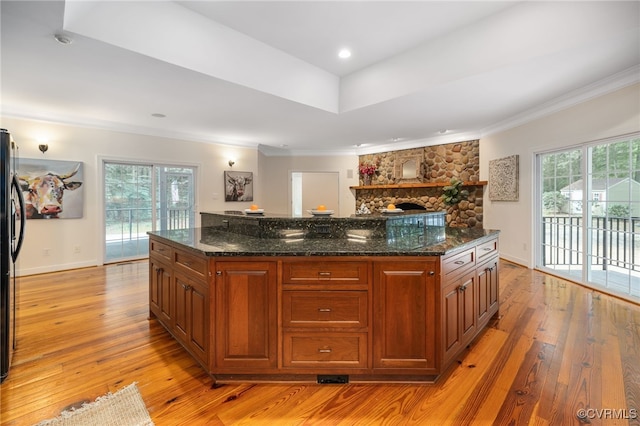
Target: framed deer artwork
238,186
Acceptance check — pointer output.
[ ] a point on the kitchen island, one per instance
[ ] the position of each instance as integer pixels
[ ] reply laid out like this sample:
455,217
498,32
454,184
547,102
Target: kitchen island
321,302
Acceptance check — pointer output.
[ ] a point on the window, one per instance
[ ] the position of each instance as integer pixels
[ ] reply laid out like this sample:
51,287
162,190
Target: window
589,223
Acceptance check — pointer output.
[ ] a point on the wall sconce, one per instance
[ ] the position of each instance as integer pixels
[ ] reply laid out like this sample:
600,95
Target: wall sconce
231,163
43,147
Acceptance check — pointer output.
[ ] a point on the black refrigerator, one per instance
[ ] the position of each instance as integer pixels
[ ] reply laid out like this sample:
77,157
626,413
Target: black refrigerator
12,221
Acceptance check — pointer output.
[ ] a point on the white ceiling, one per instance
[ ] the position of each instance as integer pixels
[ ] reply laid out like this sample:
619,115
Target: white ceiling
266,74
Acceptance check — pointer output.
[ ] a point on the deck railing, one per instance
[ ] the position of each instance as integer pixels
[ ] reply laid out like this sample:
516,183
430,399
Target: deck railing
614,241
139,219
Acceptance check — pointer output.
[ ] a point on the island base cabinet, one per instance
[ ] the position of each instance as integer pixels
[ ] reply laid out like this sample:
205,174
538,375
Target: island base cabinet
404,315
246,315
179,297
314,318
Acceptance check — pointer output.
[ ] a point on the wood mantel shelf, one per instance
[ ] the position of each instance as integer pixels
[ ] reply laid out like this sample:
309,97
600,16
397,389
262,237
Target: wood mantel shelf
419,185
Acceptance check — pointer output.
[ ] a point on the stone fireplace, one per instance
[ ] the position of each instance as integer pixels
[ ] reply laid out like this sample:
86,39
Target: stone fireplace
417,177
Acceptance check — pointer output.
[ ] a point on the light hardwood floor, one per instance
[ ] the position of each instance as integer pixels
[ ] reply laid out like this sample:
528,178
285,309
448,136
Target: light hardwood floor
556,349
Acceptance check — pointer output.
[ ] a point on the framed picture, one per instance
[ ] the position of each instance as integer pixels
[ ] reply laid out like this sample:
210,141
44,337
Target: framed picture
52,189
238,186
504,179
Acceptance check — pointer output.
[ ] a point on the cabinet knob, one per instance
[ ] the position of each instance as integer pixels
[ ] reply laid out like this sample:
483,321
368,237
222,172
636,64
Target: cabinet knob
432,273
218,273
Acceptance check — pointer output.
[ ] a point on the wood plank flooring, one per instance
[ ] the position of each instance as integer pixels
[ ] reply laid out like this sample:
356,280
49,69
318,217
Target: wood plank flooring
558,348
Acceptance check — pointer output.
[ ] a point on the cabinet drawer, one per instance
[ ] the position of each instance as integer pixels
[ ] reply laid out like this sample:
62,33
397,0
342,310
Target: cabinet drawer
333,272
325,350
191,263
324,309
486,250
160,249
458,262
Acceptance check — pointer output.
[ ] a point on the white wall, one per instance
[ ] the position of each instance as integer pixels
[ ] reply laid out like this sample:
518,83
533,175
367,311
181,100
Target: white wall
275,181
91,146
614,114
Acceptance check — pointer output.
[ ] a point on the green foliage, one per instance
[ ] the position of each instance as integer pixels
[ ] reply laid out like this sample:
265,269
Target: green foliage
618,210
553,201
452,194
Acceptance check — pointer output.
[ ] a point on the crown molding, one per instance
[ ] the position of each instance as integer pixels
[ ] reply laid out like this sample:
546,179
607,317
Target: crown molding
607,85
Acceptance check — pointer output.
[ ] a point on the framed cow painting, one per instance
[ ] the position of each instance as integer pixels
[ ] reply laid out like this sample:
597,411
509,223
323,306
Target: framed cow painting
238,186
52,189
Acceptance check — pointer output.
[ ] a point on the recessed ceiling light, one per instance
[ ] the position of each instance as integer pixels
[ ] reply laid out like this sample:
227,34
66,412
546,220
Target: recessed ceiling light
158,115
63,39
344,53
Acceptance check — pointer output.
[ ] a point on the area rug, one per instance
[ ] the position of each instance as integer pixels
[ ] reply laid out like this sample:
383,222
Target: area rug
123,408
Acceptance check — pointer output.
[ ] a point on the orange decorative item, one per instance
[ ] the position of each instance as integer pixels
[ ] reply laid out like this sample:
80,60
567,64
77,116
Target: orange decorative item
321,207
391,207
254,207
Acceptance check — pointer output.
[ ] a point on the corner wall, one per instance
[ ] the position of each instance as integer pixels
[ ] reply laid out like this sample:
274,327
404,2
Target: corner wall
611,115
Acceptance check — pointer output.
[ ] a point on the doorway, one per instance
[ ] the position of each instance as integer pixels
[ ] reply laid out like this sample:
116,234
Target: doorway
588,214
139,198
310,189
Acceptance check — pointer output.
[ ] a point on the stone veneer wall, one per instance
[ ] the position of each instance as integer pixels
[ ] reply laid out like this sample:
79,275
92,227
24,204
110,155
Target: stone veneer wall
440,164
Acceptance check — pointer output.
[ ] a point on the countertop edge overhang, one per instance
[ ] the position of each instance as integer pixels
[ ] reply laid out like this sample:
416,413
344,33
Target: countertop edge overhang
215,243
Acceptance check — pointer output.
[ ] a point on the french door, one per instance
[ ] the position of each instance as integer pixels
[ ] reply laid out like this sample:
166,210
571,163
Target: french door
144,197
588,215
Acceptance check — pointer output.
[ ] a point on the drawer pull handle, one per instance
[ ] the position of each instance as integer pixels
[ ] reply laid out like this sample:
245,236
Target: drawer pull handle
324,351
186,287
459,262
324,310
187,264
324,274
487,249
159,249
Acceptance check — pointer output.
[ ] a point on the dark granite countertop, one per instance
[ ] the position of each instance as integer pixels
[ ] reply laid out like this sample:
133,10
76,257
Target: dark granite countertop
212,242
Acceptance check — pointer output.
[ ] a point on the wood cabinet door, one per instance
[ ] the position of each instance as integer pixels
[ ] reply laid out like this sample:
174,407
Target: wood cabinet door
156,270
191,318
198,320
459,322
181,316
487,291
161,291
246,314
404,318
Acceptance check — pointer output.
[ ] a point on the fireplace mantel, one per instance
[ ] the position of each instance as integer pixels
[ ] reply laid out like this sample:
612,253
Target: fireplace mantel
418,185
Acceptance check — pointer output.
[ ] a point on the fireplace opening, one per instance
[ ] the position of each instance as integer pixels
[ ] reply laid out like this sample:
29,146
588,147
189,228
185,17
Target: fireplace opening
410,206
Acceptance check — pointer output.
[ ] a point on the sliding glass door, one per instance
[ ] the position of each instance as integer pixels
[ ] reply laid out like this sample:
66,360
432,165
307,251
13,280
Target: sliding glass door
144,197
589,214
